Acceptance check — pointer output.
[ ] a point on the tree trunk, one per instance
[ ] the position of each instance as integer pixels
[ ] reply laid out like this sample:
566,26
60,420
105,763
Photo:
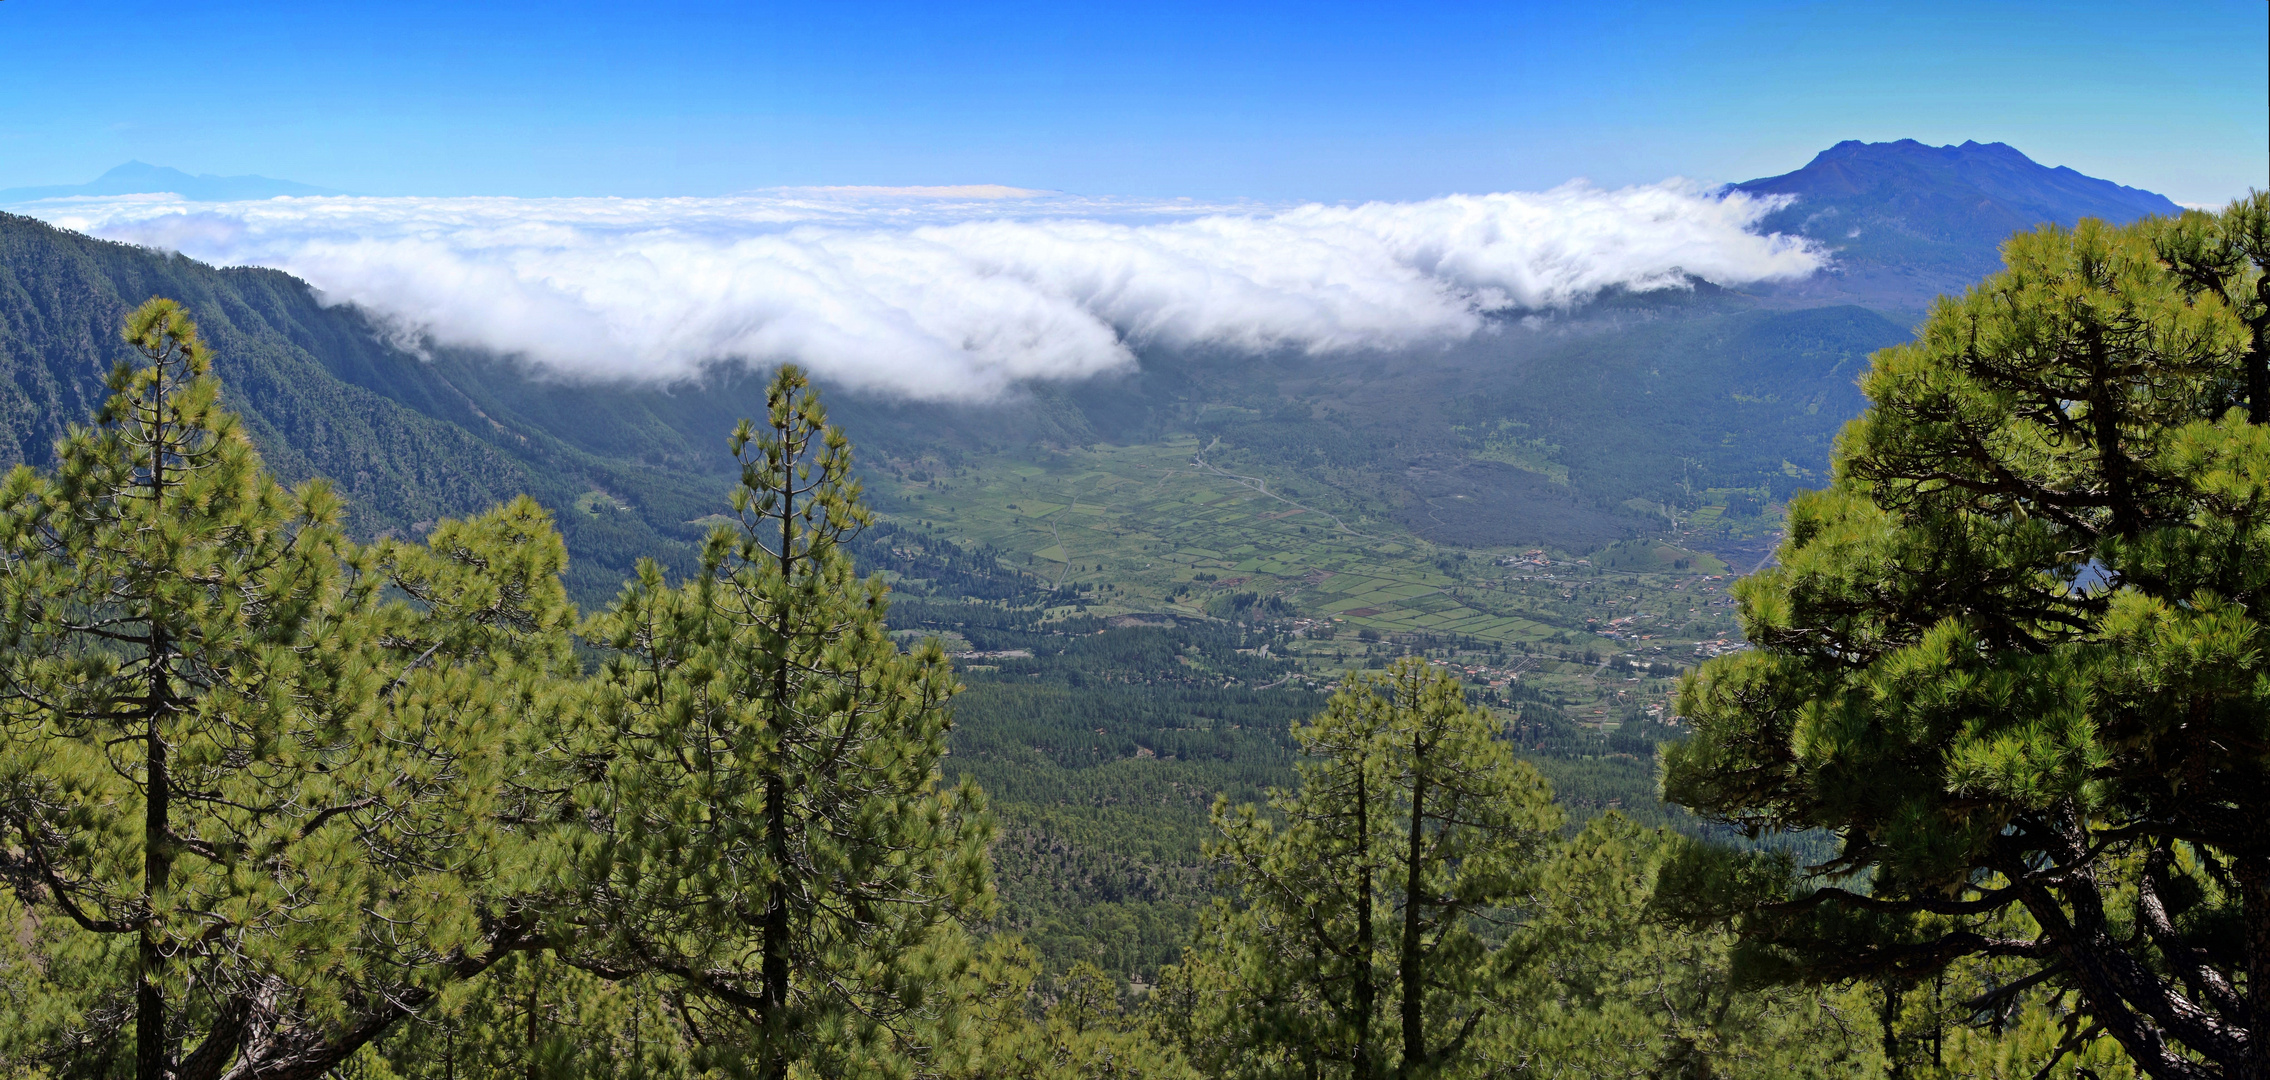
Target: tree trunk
2104,418
529,1067
151,1061
775,941
2258,388
2254,906
2258,359
1887,1019
776,907
1413,979
1365,993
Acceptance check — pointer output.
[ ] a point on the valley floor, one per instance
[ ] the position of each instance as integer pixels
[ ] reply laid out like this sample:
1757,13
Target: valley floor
1180,609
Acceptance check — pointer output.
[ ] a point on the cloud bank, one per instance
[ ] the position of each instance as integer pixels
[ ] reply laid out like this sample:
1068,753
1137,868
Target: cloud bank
954,293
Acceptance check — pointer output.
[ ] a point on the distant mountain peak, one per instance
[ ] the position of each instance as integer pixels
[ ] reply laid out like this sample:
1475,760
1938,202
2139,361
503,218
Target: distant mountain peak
142,178
1907,221
1997,171
1969,147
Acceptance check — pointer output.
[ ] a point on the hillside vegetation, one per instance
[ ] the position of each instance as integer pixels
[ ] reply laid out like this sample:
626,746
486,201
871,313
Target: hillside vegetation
382,710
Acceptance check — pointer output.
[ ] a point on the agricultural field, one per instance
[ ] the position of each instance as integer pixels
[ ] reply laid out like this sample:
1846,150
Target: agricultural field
1170,528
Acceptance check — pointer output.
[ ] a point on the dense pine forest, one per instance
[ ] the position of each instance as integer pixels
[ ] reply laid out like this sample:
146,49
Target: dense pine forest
815,794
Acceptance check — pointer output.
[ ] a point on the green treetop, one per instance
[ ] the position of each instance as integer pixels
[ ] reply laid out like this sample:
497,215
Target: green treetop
256,813
1357,944
778,842
2015,657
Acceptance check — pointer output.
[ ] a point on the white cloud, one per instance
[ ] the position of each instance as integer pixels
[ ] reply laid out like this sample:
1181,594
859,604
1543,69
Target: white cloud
954,292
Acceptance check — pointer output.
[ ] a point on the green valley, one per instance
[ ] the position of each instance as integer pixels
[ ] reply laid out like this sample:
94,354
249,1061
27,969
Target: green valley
1688,682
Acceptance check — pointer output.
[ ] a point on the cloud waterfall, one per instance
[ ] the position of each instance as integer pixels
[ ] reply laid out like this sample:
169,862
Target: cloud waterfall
955,293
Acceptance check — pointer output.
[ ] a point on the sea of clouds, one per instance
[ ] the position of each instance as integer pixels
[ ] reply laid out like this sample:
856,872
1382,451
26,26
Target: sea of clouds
954,293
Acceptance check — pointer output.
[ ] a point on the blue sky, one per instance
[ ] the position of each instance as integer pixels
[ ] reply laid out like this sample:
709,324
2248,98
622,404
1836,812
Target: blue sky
1317,100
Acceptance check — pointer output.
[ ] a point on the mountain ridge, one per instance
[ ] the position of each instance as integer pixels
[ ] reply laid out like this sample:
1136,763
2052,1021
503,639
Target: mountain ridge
323,394
1862,166
1905,222
141,178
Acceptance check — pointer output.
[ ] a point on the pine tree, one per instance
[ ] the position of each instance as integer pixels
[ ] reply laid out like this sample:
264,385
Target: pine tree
1356,946
1612,988
533,1017
2014,657
1015,1025
256,809
777,839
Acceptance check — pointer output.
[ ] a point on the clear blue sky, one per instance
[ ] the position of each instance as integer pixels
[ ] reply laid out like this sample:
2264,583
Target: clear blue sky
1314,100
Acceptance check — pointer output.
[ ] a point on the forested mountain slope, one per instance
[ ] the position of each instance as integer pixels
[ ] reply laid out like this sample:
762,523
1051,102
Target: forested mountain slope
323,392
301,373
